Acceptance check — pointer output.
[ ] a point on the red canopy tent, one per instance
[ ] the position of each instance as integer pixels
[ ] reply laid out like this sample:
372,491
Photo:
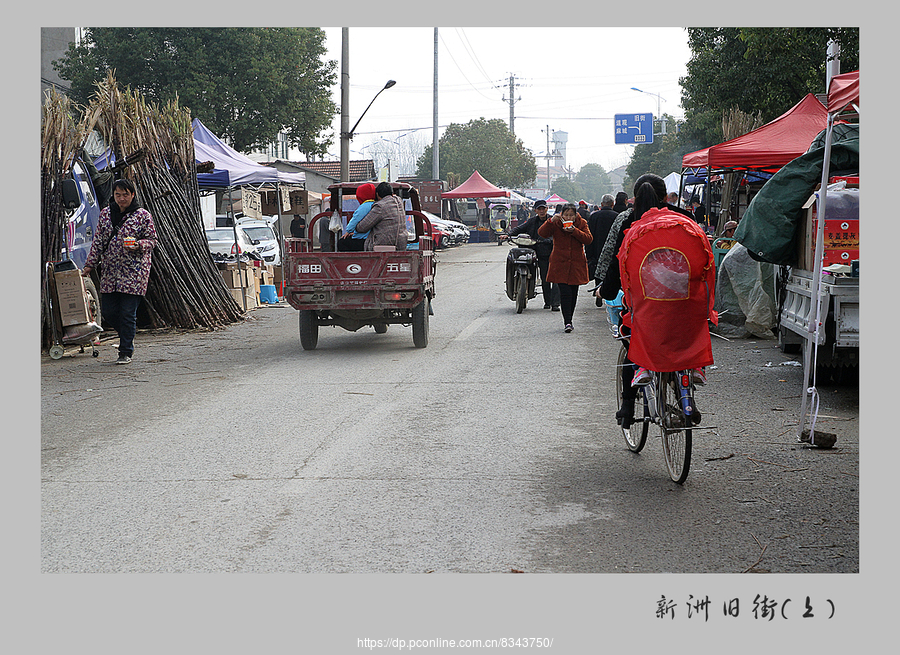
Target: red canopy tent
555,199
843,90
476,187
769,147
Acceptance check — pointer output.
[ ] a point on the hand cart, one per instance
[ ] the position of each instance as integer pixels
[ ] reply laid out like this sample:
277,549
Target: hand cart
79,334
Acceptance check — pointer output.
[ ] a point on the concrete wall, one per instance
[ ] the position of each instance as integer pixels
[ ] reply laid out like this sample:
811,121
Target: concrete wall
54,44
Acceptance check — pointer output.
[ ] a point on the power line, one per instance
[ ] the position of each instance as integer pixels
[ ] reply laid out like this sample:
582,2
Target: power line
447,48
560,117
472,54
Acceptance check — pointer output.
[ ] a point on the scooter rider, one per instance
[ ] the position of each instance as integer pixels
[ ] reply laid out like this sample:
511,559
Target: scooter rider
542,248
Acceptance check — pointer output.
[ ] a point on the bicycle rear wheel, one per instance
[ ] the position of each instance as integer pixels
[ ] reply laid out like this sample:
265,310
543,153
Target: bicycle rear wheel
676,437
635,432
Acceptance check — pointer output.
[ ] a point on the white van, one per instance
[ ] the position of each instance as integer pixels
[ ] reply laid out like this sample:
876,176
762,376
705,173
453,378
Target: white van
264,238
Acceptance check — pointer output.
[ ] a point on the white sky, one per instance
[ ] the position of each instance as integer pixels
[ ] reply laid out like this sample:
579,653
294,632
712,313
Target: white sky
570,79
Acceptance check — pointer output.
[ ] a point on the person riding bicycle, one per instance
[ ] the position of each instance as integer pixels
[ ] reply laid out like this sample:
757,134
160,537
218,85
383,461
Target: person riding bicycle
668,277
665,268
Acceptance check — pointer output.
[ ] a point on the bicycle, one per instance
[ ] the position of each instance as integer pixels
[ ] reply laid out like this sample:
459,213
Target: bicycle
666,401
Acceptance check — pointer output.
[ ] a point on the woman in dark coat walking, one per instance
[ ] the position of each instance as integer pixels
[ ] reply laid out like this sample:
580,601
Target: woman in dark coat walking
568,264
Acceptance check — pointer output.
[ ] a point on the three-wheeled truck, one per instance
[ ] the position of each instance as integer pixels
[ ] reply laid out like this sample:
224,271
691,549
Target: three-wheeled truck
357,289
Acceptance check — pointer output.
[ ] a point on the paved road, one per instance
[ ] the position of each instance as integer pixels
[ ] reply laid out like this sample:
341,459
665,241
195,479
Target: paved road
492,450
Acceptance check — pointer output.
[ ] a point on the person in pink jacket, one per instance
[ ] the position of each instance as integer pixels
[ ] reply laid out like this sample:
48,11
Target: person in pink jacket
123,244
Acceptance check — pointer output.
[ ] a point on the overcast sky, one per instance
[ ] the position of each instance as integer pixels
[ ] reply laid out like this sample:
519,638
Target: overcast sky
569,79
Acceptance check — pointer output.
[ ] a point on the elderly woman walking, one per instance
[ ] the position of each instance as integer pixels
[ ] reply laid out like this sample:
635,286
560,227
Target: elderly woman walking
122,245
568,264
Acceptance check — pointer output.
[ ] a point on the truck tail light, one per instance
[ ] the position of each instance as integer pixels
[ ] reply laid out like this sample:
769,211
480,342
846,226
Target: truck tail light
397,296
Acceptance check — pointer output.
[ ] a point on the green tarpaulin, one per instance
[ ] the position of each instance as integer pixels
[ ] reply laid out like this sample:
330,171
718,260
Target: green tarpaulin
771,225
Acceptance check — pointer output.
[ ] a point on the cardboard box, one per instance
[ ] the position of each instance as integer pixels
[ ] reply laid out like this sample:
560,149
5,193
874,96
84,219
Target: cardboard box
279,278
72,302
236,276
267,275
293,201
240,295
232,278
841,233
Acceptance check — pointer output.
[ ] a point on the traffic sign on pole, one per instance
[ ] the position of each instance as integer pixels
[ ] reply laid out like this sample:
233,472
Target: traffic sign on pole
634,128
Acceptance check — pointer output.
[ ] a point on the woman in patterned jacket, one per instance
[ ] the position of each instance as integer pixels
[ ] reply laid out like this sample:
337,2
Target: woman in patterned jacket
123,244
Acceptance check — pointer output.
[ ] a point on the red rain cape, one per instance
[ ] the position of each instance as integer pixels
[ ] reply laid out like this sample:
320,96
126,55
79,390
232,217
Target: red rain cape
668,277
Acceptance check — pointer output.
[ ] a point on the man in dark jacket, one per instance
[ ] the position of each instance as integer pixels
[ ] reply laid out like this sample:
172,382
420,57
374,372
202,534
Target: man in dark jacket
583,210
599,224
542,249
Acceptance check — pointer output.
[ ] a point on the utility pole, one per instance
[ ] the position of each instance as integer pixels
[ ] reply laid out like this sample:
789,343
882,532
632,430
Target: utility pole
512,102
435,159
548,160
833,63
345,104
347,131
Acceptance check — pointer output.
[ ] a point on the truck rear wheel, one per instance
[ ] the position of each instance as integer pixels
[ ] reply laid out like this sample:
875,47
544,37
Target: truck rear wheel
309,329
786,346
420,324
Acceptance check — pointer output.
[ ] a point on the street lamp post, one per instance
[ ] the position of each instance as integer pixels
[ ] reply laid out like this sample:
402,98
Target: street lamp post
658,105
348,134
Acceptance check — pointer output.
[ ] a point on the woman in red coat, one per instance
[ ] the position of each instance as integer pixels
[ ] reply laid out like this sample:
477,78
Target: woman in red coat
568,264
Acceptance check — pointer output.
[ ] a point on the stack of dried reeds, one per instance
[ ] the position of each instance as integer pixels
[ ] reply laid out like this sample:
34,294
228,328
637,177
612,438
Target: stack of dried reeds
62,138
186,289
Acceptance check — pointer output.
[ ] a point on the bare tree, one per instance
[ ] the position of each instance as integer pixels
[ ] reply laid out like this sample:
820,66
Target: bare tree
401,152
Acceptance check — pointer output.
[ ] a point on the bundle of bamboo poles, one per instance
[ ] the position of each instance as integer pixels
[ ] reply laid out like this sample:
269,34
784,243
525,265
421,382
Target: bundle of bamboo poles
186,289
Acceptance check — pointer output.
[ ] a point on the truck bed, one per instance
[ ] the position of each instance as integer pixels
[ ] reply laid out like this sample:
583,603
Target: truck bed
356,280
840,310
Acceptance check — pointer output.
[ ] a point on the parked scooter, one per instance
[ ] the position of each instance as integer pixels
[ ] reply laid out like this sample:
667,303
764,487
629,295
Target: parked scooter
521,271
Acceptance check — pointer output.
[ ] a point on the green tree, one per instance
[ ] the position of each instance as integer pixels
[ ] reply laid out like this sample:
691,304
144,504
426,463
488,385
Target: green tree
244,84
483,145
755,69
594,182
566,188
661,157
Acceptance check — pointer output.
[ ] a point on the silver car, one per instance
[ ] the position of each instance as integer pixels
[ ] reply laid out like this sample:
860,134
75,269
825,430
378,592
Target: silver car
222,244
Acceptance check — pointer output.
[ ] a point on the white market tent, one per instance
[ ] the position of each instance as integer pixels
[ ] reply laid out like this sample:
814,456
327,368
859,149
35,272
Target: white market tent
673,182
232,169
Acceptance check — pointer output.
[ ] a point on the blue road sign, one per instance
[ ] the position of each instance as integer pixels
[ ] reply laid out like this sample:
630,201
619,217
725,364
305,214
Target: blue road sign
634,128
